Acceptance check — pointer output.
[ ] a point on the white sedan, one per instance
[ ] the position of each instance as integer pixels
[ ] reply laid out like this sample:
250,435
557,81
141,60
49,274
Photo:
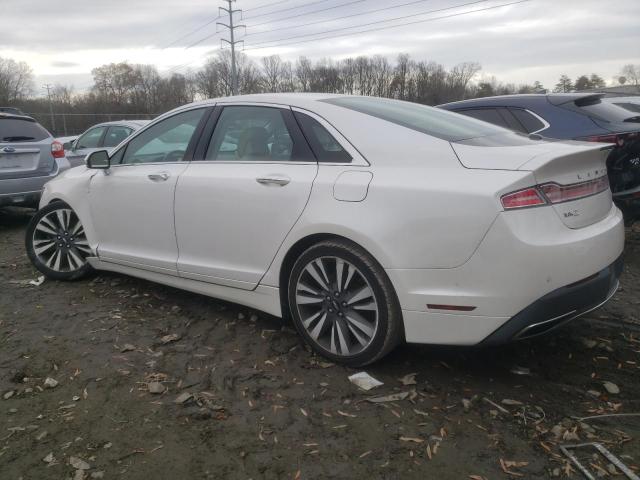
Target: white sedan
368,221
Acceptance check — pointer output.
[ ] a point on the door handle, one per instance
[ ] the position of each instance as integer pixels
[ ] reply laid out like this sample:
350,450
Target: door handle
279,180
158,177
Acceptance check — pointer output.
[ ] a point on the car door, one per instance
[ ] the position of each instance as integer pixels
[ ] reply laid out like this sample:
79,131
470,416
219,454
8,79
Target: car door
132,202
90,141
247,186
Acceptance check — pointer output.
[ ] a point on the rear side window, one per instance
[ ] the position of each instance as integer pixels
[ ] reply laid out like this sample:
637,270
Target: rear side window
91,139
530,122
115,135
21,130
432,121
490,115
325,147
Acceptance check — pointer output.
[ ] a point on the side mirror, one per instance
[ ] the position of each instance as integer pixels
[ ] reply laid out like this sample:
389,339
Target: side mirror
98,159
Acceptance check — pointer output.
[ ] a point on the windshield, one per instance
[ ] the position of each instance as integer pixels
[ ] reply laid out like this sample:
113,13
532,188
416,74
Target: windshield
449,126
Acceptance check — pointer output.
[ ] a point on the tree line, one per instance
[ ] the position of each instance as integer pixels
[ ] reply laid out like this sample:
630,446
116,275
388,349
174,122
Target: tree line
138,89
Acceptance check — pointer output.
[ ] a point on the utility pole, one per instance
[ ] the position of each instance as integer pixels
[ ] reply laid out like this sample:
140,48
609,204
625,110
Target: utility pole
232,42
48,86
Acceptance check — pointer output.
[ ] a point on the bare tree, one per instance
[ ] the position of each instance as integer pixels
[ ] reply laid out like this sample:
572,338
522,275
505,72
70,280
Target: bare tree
16,80
631,73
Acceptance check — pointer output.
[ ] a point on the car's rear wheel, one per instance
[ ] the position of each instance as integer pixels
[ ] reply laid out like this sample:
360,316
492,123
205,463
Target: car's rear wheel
57,244
343,304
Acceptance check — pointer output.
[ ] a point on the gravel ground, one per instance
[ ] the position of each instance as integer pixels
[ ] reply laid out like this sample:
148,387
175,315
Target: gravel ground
114,377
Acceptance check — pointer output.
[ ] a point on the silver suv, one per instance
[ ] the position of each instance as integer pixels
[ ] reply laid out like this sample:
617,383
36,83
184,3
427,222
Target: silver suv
29,158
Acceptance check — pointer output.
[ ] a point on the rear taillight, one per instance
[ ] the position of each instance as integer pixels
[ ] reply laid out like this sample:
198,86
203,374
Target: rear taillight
57,150
551,193
529,197
617,138
565,193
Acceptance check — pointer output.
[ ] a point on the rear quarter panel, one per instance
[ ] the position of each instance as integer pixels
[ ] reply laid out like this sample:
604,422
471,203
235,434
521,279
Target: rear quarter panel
423,209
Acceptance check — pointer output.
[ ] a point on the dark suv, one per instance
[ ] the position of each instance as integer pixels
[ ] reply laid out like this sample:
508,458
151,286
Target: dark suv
572,116
29,157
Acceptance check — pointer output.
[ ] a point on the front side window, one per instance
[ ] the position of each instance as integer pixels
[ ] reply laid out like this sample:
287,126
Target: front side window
439,123
325,147
91,139
115,135
166,141
247,133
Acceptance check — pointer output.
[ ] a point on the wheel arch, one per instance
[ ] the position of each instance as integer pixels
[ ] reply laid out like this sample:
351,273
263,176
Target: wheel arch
297,249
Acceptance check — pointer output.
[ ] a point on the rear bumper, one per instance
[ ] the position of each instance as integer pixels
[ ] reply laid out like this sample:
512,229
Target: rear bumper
560,306
27,191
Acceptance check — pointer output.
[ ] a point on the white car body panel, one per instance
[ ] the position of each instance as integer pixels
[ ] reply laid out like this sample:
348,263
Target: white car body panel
133,215
428,212
241,222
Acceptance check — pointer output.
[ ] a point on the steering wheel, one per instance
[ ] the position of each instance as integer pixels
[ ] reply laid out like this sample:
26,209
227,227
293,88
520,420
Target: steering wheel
174,156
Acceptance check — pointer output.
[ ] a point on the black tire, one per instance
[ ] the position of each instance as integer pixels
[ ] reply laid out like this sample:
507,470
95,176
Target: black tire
70,246
388,332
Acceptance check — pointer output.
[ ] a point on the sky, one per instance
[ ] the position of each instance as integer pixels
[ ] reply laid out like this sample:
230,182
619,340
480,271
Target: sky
518,43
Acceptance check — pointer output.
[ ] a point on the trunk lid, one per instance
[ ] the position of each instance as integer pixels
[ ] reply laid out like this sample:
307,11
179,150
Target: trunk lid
561,163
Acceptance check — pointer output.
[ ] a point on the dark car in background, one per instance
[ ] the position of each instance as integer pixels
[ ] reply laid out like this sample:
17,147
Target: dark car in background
29,158
572,116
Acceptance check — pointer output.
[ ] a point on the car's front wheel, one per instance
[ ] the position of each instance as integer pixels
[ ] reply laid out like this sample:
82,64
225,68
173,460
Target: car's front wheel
56,243
343,304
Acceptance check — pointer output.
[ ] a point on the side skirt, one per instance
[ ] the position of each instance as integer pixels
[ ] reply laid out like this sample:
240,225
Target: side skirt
263,298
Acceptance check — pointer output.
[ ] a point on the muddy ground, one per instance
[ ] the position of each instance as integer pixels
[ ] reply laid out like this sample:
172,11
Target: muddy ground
259,405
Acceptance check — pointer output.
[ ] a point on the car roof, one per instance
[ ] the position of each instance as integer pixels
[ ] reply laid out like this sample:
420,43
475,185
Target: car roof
301,100
553,98
17,117
135,124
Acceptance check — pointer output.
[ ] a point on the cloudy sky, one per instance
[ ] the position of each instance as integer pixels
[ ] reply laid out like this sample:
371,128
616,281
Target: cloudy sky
516,42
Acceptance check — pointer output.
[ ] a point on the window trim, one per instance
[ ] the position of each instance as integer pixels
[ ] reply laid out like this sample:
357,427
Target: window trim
544,122
290,123
188,156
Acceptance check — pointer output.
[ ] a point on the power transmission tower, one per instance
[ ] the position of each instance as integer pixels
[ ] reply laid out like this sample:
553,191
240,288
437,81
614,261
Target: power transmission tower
48,86
232,42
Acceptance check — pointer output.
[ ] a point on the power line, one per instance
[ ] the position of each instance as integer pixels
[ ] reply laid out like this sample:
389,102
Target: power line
203,39
270,4
306,13
262,45
368,12
287,9
191,32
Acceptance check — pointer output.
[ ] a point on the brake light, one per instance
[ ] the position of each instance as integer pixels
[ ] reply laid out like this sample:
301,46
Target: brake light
529,197
552,193
617,138
57,150
565,193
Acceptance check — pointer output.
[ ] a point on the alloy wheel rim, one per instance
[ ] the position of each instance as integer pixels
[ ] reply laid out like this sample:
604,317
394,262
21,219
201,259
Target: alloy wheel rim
337,306
59,241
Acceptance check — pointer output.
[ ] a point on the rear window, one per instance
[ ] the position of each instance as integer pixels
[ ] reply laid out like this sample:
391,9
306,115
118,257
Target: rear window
21,130
632,107
596,108
432,121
